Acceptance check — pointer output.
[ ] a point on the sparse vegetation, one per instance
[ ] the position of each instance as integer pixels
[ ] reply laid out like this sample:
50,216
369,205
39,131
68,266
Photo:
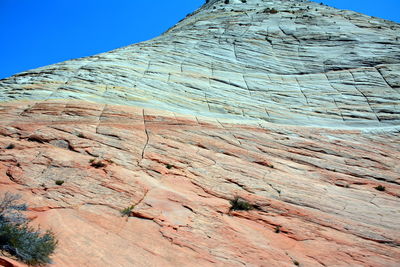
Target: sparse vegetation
226,2
380,188
59,182
97,163
296,263
127,211
10,209
169,166
240,204
270,10
10,146
277,229
29,245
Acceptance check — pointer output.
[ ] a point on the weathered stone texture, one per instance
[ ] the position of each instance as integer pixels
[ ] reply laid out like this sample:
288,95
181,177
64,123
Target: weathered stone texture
306,64
296,111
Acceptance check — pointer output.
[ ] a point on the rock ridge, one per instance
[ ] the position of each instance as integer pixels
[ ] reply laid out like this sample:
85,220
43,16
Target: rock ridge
289,106
302,64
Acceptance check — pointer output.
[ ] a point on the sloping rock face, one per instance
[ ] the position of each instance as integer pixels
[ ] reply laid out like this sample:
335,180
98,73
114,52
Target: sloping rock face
291,106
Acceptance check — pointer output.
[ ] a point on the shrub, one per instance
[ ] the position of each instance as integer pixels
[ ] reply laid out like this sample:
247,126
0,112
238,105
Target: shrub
10,146
277,229
270,10
59,182
10,209
27,244
169,166
18,239
97,163
240,204
127,211
226,2
380,188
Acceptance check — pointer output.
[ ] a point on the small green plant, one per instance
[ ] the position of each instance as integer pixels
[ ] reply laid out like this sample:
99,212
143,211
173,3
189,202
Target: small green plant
80,135
59,182
29,245
10,146
240,204
277,229
127,211
380,188
97,163
226,2
169,166
270,10
296,263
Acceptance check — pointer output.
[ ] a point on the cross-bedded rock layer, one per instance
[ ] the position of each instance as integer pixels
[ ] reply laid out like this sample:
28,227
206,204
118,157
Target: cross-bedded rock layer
289,62
231,102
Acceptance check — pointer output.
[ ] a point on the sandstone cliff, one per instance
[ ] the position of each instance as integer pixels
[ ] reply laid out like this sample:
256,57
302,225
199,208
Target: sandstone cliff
292,106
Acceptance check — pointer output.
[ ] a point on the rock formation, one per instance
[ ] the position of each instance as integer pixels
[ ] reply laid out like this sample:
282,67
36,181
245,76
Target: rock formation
291,106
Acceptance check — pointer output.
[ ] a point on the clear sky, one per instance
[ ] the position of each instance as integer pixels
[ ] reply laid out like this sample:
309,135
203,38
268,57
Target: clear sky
36,33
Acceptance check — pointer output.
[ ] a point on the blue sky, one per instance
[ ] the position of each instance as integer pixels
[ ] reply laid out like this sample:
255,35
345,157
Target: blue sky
36,33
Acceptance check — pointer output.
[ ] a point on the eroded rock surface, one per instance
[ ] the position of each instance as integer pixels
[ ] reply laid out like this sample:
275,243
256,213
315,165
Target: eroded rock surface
234,101
306,64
